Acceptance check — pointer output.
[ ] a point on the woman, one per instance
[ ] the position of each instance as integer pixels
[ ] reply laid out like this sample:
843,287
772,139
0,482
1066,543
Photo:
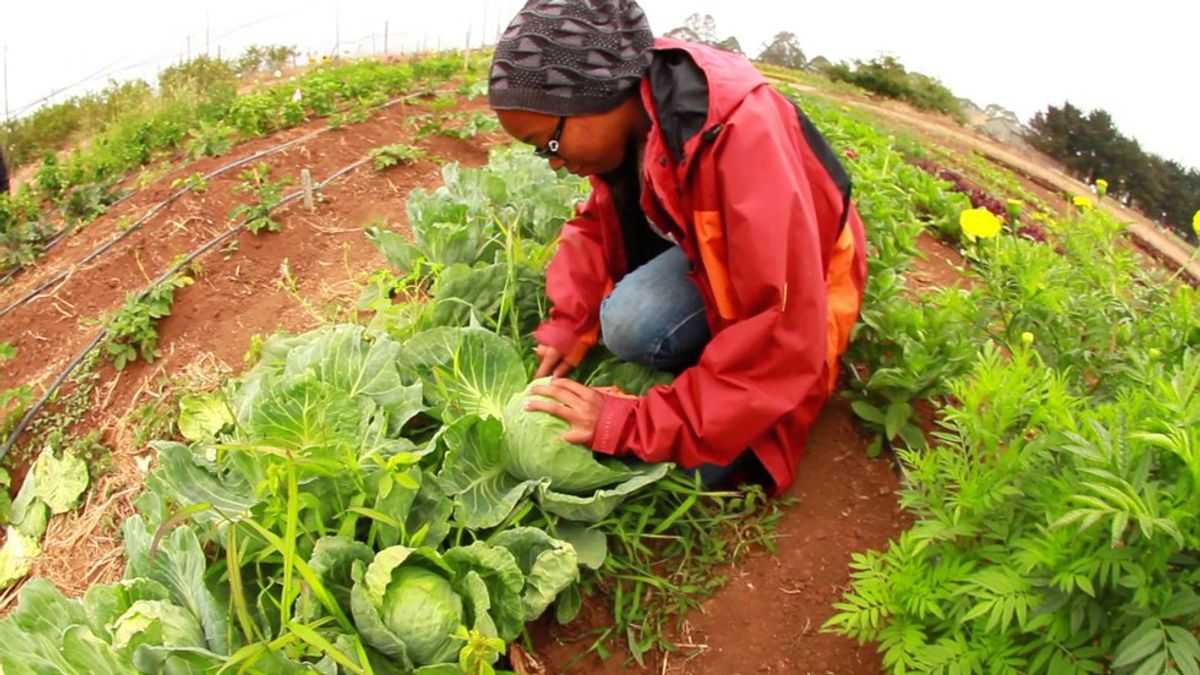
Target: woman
3,174
719,239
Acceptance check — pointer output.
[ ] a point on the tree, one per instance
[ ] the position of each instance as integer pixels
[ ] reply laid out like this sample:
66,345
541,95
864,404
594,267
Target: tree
696,28
1091,146
730,44
784,51
703,29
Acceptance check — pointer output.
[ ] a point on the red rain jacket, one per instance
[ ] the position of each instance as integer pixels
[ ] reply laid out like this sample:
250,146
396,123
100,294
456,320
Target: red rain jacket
761,207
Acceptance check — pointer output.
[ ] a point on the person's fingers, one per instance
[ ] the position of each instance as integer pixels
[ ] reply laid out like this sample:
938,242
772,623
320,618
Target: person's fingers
556,391
579,389
563,369
549,362
555,408
577,436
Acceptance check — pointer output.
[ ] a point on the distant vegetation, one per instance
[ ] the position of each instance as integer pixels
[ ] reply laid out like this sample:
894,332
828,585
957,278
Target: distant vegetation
1093,148
703,29
210,82
888,77
196,110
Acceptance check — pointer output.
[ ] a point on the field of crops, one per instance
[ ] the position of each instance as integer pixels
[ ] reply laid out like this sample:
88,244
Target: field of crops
365,491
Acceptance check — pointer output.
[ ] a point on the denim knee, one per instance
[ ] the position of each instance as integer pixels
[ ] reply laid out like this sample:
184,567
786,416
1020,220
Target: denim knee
655,315
627,331
634,331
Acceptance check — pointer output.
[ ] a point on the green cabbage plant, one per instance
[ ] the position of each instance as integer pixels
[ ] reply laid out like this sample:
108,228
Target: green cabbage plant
497,452
412,603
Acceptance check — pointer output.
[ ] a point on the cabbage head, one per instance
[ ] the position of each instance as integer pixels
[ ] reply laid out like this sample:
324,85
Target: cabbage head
408,602
423,610
534,449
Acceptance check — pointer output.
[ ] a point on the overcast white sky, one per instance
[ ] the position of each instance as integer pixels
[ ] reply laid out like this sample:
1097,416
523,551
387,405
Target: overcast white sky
1138,60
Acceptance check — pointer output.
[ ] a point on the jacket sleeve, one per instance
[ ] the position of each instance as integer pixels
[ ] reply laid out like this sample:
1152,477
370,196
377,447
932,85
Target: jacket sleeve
577,279
764,364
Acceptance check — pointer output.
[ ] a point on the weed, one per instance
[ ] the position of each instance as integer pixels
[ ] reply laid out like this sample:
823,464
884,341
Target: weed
132,331
157,417
257,215
195,182
397,153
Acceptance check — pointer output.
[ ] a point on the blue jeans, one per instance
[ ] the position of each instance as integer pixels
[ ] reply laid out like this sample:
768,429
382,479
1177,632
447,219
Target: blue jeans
655,317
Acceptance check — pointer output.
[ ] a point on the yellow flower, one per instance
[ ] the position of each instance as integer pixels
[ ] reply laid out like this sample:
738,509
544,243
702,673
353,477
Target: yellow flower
979,223
1027,338
1082,202
1101,187
1196,223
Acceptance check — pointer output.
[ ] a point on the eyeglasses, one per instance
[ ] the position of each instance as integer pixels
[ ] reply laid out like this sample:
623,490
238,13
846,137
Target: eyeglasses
550,149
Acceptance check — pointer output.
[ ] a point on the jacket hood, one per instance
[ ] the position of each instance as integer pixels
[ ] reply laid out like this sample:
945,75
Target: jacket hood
691,87
730,77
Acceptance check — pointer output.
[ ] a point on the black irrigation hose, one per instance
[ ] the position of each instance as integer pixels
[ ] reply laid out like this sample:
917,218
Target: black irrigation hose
207,246
157,208
57,238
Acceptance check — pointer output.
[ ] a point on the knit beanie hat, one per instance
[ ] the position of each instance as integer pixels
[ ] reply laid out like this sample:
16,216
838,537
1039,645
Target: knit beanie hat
570,57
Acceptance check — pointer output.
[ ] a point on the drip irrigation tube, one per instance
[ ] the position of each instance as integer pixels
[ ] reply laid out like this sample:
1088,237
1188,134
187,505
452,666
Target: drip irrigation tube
207,246
56,238
157,208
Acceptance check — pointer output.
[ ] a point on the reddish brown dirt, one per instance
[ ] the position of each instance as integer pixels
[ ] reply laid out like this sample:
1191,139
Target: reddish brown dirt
940,265
768,619
57,323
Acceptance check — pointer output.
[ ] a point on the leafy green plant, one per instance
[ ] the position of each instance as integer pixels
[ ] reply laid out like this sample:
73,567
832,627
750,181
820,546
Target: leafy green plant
475,383
20,243
157,417
321,513
452,125
130,125
53,485
257,215
132,331
254,114
49,179
913,349
209,139
470,125
397,153
1049,534
13,403
195,182
410,603
87,202
480,651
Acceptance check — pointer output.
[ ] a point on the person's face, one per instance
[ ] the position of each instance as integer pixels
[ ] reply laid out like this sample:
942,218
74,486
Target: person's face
587,144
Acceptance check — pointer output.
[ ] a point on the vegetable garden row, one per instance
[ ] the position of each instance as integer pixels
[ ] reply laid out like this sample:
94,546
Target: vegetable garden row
373,497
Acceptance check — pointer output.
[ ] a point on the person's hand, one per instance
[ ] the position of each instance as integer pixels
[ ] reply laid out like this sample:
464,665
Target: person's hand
577,404
551,362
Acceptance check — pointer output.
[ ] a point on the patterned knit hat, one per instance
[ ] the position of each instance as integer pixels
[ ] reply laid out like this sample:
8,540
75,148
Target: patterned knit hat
570,57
